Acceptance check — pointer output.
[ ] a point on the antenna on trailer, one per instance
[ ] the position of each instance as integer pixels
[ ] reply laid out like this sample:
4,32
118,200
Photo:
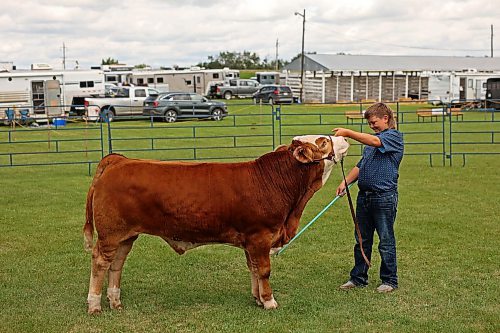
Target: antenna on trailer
276,65
492,40
64,56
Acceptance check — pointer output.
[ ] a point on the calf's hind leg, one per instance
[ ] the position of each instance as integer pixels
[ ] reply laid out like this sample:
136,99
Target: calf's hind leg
102,256
115,273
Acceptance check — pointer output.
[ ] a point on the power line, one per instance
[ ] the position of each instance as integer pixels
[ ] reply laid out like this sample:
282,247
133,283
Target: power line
411,46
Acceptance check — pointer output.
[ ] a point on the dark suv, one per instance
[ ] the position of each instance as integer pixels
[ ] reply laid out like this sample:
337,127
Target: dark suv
273,94
174,105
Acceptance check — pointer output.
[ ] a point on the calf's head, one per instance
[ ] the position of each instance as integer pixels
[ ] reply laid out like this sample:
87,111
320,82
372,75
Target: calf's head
314,148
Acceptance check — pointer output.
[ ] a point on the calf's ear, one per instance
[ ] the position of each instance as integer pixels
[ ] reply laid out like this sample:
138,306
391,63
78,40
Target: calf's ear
303,154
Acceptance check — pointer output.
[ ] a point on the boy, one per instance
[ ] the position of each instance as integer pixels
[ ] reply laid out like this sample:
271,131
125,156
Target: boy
376,205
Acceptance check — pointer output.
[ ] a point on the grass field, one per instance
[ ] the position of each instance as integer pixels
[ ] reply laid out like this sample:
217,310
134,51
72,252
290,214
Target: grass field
448,250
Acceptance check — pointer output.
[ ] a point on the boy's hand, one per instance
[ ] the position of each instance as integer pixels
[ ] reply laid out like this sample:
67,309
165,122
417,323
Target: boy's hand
340,131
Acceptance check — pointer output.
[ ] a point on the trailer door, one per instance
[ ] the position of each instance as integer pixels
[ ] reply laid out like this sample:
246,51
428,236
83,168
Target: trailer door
38,96
480,90
197,84
463,86
53,98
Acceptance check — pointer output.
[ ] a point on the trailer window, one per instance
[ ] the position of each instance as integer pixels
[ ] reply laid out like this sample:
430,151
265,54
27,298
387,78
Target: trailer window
159,80
86,84
151,80
470,83
215,75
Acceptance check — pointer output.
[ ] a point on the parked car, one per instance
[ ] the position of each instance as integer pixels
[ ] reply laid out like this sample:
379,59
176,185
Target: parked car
273,94
175,105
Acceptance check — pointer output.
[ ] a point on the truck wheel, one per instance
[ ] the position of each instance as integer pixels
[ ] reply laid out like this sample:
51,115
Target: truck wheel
170,116
108,114
217,114
228,95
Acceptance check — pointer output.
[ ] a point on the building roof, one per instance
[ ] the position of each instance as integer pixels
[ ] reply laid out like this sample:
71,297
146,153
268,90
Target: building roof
335,62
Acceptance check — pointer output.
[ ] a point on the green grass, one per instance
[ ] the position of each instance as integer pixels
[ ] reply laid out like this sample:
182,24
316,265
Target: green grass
447,235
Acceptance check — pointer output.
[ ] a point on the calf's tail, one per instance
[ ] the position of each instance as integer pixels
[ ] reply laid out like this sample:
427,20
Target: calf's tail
88,228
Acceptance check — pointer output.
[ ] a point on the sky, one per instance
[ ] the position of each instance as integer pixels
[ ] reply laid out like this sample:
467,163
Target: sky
186,32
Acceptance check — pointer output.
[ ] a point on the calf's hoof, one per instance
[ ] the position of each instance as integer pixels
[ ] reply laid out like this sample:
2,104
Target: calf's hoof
271,304
113,295
94,303
115,305
94,311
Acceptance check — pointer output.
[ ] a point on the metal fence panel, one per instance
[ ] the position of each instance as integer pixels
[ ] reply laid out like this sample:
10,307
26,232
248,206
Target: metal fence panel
430,131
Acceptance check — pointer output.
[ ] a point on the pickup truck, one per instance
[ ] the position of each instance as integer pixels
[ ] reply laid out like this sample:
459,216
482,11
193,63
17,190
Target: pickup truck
126,101
238,88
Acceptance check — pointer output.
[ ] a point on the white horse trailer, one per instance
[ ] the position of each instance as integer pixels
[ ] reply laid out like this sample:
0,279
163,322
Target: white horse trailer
458,86
48,93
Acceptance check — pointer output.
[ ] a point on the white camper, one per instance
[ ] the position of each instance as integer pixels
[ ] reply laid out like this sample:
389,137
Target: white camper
458,86
48,93
194,79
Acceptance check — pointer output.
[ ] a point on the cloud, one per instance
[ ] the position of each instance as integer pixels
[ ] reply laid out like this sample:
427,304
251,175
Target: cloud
163,33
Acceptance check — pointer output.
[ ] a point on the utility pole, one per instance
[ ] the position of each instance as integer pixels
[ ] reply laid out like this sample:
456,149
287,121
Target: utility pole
492,40
302,55
64,56
276,65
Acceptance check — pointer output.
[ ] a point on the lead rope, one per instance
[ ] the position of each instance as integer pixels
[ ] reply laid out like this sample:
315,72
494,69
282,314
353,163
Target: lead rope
354,219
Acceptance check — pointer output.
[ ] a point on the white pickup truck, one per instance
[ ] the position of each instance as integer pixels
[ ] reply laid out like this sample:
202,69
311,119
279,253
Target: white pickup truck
237,88
126,101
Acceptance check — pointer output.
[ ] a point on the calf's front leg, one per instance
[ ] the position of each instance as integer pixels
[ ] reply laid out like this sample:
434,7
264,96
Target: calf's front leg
260,264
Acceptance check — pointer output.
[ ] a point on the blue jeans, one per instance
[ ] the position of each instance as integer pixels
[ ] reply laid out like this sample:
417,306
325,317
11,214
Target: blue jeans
376,212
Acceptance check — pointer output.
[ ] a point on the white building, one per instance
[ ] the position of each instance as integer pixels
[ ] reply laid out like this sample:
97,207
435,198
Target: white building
352,78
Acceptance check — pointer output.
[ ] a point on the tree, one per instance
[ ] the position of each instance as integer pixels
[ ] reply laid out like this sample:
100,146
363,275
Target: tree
141,66
110,61
240,60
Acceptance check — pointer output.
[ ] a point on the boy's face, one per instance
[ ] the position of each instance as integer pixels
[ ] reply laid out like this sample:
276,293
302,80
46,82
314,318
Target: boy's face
378,124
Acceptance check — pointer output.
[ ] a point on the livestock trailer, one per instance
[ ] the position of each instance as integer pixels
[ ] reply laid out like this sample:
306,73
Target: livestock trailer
195,79
48,93
458,86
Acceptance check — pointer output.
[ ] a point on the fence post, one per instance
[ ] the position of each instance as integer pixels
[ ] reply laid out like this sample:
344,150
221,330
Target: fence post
446,155
110,145
276,113
102,142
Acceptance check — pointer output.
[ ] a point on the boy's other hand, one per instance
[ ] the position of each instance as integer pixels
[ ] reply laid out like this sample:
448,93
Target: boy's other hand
341,189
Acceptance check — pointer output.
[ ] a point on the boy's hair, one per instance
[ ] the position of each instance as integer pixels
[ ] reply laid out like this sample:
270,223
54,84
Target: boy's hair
380,110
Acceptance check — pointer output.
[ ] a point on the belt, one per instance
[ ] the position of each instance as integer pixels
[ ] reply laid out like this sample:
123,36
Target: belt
368,192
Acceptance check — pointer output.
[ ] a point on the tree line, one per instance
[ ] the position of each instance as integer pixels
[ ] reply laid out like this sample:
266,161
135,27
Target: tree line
231,59
241,60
